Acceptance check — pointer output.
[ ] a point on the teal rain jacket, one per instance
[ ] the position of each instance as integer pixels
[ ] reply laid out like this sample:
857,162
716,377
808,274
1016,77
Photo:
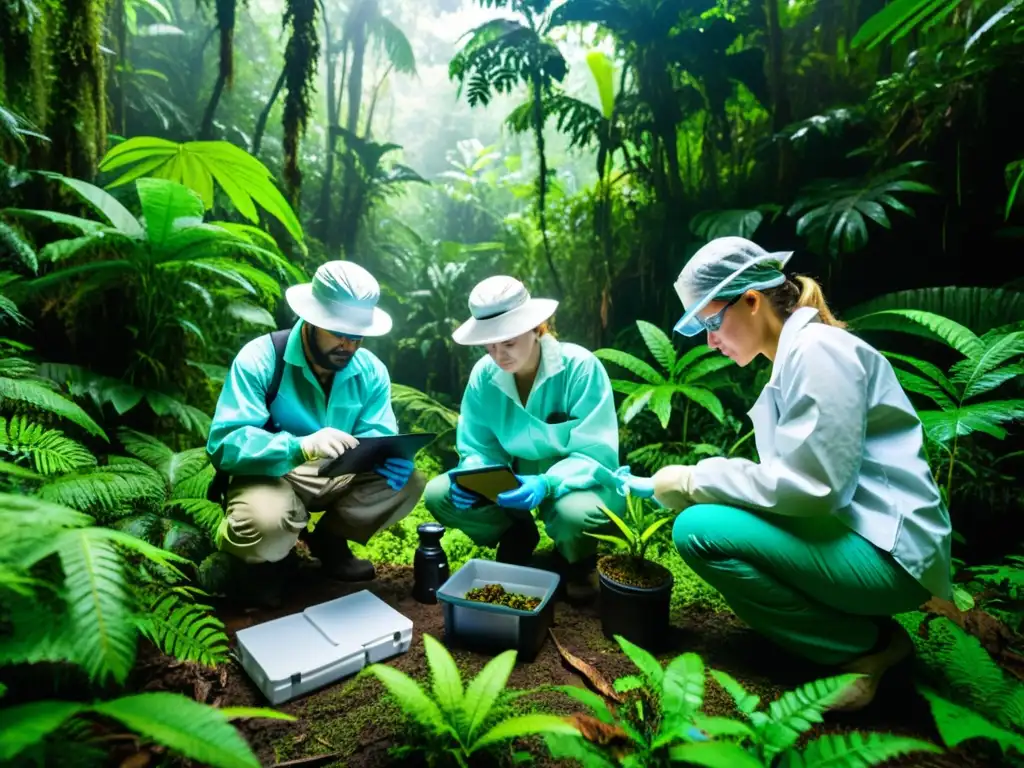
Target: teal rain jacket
360,404
581,452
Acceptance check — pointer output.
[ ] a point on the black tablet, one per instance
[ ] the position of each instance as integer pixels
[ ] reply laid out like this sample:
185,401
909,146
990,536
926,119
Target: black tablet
486,481
372,451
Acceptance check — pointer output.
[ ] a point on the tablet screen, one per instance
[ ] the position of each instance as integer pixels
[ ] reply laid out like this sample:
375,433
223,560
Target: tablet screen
488,482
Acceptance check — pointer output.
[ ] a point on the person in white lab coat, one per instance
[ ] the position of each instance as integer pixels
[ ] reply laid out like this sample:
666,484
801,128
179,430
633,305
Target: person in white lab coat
839,525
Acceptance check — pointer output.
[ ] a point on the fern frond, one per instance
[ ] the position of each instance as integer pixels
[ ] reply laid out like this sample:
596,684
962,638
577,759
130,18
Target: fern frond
24,725
112,490
798,710
196,486
186,631
49,450
195,730
42,631
175,467
956,723
40,395
103,636
14,244
856,749
207,514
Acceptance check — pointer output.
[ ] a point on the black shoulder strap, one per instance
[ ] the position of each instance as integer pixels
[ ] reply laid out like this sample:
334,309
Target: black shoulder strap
280,340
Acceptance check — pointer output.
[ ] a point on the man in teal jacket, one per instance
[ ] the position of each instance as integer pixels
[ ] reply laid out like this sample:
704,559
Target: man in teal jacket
332,392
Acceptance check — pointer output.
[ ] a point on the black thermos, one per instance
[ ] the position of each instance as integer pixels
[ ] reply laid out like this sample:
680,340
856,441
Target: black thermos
430,564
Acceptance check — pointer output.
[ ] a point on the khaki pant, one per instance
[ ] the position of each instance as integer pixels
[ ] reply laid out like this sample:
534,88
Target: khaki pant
265,515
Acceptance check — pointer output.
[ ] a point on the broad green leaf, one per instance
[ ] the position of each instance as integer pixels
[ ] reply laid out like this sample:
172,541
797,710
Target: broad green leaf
104,203
589,699
632,364
956,724
704,398
484,690
723,726
922,386
627,531
987,417
661,403
682,695
446,680
714,755
926,324
644,661
930,370
524,725
653,528
251,313
635,403
602,69
194,730
411,697
82,226
659,344
27,724
166,206
746,702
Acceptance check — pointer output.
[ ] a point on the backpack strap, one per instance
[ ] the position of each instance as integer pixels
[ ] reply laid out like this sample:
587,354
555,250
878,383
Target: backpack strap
280,341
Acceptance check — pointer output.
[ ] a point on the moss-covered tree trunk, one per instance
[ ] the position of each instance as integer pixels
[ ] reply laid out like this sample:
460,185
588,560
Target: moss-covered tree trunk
78,114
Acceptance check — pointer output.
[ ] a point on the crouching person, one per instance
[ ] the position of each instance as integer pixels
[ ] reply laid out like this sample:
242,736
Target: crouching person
271,433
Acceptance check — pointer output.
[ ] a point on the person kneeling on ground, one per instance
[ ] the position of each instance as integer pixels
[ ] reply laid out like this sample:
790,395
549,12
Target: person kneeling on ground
331,393
839,525
546,409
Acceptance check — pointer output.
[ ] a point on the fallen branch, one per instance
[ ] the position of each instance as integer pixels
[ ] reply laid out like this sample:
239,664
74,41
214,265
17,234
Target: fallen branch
592,675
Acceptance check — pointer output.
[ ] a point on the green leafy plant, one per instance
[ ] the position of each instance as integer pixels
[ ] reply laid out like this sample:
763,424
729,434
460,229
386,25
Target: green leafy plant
688,376
662,723
990,361
196,165
39,730
832,212
460,722
641,522
969,693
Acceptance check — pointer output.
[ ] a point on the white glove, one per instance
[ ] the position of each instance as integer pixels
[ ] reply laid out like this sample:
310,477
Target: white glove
327,443
673,486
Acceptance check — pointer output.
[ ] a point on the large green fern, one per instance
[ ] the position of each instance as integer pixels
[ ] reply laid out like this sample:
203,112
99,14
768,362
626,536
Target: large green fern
109,491
49,450
184,630
21,388
688,376
192,730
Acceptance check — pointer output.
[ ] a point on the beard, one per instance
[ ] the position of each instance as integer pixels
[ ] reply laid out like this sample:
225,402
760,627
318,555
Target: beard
335,359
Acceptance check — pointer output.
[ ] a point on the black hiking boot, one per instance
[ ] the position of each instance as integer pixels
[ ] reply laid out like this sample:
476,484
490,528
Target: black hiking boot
517,543
337,560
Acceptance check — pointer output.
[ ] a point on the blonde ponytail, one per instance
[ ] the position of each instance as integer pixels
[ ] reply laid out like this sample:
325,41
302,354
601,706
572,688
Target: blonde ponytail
811,295
805,292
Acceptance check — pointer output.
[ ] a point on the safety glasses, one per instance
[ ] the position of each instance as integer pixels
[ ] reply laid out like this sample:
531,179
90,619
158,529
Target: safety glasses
346,337
713,323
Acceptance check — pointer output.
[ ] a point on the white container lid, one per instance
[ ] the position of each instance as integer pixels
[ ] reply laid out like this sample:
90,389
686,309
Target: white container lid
291,645
357,619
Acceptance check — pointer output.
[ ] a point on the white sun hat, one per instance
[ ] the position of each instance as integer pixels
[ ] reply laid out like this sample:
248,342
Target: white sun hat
342,298
724,268
502,309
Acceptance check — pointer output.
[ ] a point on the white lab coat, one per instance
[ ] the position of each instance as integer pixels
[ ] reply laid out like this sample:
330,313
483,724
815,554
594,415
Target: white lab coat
837,435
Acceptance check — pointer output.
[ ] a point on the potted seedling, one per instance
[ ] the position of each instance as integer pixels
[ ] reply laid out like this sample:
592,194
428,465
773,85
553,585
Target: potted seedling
635,592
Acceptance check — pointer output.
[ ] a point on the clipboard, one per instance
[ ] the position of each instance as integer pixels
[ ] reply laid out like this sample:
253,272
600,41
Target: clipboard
486,481
372,451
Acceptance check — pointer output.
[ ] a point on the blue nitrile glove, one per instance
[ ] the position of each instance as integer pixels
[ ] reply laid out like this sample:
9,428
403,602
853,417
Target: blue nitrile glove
461,498
396,471
529,495
642,487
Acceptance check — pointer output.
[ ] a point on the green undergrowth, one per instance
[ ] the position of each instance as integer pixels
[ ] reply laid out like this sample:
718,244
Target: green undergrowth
397,546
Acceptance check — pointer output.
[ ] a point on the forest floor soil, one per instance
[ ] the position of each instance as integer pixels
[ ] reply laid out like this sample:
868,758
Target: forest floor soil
354,724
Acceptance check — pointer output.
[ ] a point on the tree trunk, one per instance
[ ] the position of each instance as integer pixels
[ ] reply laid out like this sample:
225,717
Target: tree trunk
542,179
261,122
781,113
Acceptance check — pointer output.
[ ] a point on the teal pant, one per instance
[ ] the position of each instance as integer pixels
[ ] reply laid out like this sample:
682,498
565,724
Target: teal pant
565,519
811,585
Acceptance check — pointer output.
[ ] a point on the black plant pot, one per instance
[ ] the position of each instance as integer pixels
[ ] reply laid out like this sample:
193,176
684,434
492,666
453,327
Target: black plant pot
639,614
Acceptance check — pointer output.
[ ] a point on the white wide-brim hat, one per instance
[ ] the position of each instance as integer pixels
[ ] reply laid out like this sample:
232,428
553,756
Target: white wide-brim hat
502,309
342,298
722,269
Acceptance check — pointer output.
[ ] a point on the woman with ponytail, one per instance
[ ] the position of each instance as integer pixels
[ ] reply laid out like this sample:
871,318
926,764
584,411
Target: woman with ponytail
839,525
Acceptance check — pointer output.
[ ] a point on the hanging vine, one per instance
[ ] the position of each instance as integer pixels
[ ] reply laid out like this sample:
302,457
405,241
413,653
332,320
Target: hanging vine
226,13
301,57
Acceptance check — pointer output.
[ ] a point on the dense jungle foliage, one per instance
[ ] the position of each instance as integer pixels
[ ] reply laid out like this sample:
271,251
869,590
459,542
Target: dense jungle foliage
168,167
